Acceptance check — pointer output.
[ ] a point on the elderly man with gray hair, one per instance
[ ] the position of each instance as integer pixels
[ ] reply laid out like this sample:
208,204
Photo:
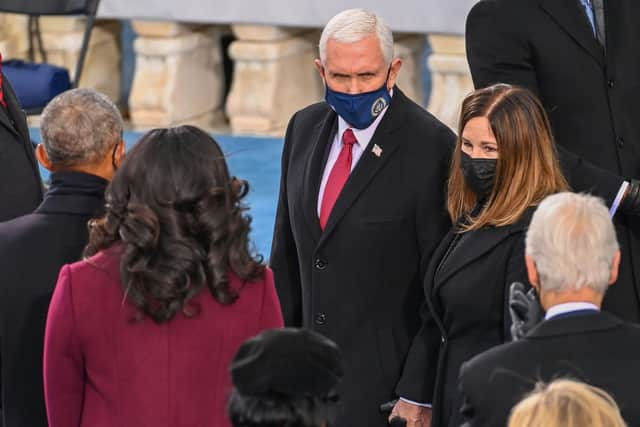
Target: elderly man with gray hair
82,147
361,209
572,257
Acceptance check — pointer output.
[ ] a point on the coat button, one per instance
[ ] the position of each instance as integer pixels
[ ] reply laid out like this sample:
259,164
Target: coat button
620,142
320,264
443,340
611,83
321,319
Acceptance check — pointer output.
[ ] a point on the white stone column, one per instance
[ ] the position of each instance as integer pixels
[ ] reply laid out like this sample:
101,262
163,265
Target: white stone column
13,36
451,80
410,49
274,76
62,39
178,77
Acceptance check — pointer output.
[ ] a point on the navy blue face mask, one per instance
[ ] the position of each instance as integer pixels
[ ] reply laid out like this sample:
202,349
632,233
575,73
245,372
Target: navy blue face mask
359,110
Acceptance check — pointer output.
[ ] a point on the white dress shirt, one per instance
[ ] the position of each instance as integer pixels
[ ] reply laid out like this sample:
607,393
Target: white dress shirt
362,135
568,307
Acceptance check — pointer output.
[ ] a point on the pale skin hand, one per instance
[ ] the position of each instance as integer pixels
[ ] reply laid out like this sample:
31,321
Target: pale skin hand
416,416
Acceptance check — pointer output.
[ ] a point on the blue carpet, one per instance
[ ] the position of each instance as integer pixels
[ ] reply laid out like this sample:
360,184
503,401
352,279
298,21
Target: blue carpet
255,159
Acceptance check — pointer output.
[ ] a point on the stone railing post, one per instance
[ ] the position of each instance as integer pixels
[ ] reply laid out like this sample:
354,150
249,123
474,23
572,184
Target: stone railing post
410,48
451,80
274,76
178,76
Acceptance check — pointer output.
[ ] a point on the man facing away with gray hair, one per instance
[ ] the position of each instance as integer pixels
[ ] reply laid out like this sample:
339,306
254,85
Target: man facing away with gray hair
361,209
572,257
82,147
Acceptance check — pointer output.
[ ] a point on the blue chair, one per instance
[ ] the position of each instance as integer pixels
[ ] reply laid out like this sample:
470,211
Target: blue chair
35,83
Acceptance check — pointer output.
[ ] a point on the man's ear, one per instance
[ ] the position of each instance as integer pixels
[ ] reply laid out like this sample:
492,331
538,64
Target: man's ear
43,158
320,69
532,272
121,152
394,70
615,267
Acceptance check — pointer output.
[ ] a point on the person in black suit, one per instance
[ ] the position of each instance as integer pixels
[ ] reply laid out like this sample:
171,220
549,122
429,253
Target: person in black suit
572,257
581,58
20,183
504,164
349,262
82,146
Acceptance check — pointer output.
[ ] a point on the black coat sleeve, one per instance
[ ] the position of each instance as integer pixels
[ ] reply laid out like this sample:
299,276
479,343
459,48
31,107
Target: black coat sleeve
20,182
499,51
419,372
284,257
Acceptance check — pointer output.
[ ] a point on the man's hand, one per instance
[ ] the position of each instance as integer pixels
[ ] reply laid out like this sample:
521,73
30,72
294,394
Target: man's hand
416,416
525,310
631,202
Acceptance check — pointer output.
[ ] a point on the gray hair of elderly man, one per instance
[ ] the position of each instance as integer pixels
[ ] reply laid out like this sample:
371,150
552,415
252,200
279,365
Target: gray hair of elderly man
353,25
80,126
573,243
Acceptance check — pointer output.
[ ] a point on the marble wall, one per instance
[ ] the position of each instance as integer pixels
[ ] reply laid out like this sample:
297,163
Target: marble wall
178,74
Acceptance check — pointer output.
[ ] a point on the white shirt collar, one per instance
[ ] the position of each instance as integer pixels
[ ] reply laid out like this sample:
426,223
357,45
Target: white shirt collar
568,307
362,135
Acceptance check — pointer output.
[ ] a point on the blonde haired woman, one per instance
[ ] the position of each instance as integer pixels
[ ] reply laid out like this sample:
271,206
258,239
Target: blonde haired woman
566,403
503,165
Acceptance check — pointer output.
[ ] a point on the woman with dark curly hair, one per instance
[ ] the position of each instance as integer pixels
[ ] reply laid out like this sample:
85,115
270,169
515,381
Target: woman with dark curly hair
141,333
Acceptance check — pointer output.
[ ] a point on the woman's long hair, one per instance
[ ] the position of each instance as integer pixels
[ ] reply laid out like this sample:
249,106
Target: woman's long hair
527,167
181,222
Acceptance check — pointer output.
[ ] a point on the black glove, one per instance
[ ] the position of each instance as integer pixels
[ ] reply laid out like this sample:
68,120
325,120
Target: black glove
631,202
524,308
398,422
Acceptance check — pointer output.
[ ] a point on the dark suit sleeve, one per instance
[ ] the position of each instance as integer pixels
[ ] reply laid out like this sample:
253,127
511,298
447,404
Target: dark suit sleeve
20,182
585,177
419,373
432,219
271,314
498,51
284,256
495,51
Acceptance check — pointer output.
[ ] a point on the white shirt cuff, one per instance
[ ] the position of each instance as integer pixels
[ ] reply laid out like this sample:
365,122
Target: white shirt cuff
618,199
424,405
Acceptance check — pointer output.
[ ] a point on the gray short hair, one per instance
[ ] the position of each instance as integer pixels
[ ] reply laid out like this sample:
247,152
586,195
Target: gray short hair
353,25
80,126
573,242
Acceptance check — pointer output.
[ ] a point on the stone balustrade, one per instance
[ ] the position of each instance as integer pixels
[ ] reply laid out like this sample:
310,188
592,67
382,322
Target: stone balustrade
179,76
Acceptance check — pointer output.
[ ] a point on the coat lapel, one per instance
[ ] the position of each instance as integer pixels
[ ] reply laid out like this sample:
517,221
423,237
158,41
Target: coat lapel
478,244
436,257
568,15
321,139
369,164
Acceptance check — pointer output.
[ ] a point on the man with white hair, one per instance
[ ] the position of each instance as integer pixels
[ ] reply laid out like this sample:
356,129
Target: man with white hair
572,257
361,208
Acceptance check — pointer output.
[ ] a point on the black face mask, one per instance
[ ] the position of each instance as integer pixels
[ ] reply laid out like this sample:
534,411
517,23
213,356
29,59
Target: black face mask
480,174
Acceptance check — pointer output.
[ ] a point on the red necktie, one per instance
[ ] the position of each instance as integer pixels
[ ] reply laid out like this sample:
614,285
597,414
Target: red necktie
338,176
2,101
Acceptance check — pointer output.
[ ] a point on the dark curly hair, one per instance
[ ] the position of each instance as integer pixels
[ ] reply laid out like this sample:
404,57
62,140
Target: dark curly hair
181,223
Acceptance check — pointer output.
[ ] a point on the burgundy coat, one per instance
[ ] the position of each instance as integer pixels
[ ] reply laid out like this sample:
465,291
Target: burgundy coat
101,369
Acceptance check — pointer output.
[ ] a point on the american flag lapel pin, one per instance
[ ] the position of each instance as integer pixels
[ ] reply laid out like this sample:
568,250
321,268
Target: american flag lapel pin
376,150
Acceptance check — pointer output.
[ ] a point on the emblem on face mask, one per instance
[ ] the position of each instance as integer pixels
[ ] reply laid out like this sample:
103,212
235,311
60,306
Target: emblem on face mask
378,106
